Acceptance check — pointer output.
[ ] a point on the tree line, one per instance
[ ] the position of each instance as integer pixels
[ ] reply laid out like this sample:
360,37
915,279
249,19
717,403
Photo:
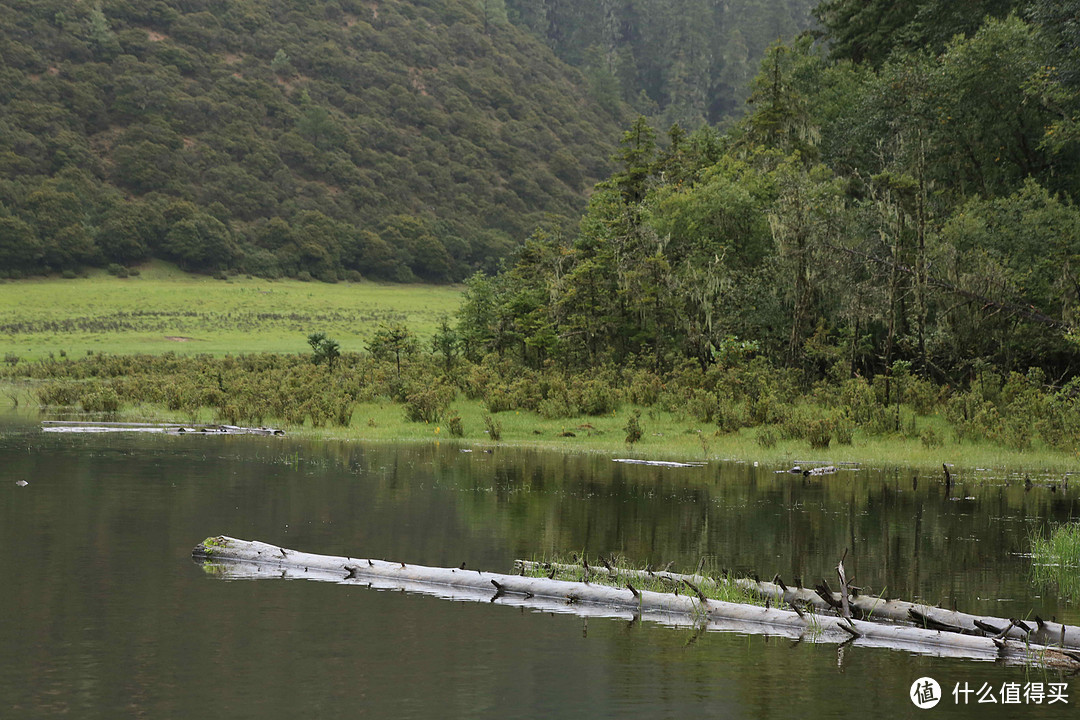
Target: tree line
684,61
891,203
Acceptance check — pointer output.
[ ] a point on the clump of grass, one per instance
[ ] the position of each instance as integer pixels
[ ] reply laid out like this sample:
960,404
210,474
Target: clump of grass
1056,560
767,439
572,570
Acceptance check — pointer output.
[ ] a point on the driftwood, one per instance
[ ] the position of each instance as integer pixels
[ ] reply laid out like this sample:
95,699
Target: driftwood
868,607
658,463
234,558
85,426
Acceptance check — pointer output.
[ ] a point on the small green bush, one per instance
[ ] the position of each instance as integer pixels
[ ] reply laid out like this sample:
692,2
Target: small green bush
819,433
633,428
843,431
930,439
103,399
494,428
428,404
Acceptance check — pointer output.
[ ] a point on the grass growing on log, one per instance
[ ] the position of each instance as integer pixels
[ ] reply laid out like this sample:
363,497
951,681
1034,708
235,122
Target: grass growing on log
1056,560
572,570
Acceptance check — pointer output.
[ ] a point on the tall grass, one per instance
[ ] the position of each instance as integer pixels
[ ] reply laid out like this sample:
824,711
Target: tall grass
1056,559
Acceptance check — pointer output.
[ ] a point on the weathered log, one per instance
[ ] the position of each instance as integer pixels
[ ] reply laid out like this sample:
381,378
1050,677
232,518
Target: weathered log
251,559
870,607
85,426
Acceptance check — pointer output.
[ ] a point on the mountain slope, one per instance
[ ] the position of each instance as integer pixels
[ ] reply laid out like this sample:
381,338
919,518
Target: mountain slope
397,139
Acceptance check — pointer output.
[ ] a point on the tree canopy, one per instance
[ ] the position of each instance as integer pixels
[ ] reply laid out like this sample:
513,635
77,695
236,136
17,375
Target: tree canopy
911,209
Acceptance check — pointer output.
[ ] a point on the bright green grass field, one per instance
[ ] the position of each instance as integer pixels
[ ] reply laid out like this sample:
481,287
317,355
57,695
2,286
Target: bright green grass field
163,309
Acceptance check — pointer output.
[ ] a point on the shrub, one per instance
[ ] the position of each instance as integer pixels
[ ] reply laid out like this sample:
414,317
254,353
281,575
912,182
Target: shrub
633,428
702,406
58,394
494,428
553,408
794,425
930,439
593,397
730,416
523,394
103,399
455,427
819,433
843,430
497,398
428,404
645,388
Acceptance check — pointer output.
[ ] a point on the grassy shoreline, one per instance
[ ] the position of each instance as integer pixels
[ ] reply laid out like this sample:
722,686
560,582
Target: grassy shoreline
665,437
166,345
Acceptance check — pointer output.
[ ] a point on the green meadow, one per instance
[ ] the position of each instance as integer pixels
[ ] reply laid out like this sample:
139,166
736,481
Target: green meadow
163,309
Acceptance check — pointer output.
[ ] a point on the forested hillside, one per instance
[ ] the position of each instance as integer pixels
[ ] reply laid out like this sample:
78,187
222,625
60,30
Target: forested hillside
901,198
684,61
396,139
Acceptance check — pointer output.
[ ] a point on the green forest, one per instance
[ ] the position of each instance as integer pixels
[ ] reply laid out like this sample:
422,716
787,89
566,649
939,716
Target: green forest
879,204
675,61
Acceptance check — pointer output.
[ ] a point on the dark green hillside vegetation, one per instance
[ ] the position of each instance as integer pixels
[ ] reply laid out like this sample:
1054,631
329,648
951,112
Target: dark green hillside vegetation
399,140
915,217
685,61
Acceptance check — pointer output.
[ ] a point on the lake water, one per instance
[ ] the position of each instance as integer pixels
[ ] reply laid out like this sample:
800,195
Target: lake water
106,616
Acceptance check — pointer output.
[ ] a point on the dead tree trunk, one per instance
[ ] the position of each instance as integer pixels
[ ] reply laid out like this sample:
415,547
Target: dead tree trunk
869,607
242,558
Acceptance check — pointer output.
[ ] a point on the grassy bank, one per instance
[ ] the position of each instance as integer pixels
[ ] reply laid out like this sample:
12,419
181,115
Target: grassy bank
169,346
162,310
665,436
673,436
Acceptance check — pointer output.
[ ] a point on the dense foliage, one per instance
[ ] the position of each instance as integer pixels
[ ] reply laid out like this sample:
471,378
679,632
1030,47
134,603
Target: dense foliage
399,139
685,61
911,209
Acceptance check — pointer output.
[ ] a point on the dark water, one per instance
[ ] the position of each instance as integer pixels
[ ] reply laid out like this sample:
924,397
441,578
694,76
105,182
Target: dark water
104,615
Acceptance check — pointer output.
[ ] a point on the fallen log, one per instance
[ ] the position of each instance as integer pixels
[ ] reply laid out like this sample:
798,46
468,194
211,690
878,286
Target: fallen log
867,607
658,463
86,426
230,557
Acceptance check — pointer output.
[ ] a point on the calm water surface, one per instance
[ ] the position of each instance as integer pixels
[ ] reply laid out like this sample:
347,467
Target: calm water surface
106,616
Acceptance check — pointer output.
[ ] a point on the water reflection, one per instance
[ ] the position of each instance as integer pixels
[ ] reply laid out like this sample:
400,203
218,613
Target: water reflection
105,614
